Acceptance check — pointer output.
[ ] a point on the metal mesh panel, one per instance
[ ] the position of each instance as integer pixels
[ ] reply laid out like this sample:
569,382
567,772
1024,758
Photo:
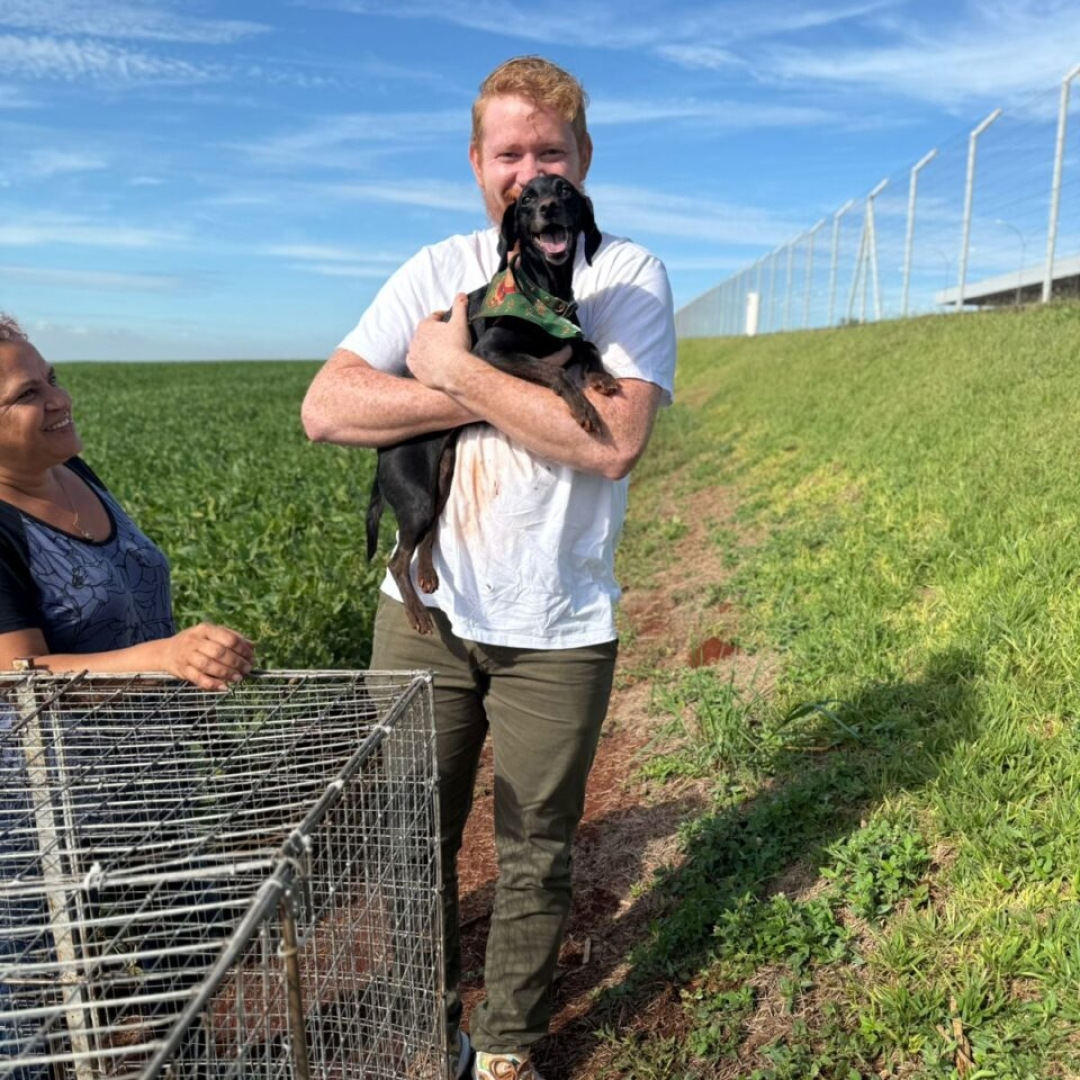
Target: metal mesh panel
207,885
991,217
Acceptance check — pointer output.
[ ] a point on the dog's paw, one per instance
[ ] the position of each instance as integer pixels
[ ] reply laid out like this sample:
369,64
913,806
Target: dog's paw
427,580
602,383
417,614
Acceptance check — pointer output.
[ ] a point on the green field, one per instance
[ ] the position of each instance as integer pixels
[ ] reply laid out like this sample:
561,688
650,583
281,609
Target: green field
264,530
912,498
906,554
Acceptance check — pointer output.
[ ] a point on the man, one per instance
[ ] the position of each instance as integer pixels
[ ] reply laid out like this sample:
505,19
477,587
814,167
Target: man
524,640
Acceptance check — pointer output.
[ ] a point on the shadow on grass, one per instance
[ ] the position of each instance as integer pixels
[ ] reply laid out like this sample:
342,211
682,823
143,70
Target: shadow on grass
810,801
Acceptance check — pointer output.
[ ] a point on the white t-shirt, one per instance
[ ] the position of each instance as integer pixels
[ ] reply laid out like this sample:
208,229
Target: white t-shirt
525,547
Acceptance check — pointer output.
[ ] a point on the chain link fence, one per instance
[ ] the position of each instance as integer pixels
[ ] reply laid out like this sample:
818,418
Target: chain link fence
990,218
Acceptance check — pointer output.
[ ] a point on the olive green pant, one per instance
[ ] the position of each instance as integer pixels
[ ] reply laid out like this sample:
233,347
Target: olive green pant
544,709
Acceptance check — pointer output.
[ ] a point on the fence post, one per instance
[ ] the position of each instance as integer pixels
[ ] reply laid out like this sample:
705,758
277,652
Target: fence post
872,240
1055,189
788,286
753,312
860,260
753,298
738,325
836,255
809,271
909,240
772,290
969,198
866,260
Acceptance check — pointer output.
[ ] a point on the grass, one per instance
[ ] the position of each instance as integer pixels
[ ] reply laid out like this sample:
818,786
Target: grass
885,885
913,493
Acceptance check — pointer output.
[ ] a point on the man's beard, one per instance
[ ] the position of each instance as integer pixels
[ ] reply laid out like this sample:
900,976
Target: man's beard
496,212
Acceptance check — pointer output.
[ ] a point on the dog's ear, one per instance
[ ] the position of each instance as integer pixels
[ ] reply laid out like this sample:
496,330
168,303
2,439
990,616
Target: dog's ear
508,234
593,237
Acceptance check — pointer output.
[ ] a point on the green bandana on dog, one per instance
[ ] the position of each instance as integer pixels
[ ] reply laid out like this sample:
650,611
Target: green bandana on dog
511,293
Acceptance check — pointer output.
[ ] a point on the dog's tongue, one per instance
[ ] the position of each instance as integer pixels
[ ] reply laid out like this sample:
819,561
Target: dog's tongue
553,241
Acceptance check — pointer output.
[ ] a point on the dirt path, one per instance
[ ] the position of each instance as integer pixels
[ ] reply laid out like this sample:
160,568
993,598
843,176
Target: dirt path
630,827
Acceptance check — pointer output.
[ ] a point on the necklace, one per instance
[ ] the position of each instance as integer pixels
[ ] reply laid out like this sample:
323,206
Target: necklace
76,527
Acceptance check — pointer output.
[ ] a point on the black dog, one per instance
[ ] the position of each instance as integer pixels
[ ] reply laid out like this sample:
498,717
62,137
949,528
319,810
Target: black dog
526,313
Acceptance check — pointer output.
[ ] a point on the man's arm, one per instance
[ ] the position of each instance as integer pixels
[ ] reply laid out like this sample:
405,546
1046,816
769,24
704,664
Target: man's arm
532,415
351,403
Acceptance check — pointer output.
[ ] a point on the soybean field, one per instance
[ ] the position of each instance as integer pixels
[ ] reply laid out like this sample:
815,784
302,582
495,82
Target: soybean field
264,530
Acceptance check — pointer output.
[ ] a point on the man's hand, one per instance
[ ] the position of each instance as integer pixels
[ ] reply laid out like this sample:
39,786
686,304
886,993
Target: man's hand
439,349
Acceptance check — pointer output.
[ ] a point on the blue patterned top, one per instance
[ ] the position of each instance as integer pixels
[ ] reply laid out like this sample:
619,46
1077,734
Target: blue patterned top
84,595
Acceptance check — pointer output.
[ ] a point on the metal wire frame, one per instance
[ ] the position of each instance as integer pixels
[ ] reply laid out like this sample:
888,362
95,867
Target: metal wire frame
215,885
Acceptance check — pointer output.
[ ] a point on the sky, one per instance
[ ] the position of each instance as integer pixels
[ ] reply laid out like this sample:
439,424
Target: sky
217,179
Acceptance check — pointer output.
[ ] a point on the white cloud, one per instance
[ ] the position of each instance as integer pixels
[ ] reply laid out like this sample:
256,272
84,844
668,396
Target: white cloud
429,194
992,51
704,31
365,271
590,24
322,140
709,57
103,280
637,211
422,194
64,341
324,253
327,260
241,199
993,48
686,264
751,20
12,97
640,24
713,113
68,60
41,164
131,21
171,337
31,231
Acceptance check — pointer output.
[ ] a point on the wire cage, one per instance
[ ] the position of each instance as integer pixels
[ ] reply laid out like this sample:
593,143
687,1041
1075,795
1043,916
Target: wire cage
219,885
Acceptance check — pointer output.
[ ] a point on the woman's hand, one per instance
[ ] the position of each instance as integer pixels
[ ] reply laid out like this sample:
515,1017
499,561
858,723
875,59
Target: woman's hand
212,657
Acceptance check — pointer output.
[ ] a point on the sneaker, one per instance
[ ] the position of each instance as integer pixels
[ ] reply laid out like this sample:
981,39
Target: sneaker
461,1057
504,1067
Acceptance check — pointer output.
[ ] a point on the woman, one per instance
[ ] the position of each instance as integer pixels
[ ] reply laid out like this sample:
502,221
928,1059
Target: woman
81,588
